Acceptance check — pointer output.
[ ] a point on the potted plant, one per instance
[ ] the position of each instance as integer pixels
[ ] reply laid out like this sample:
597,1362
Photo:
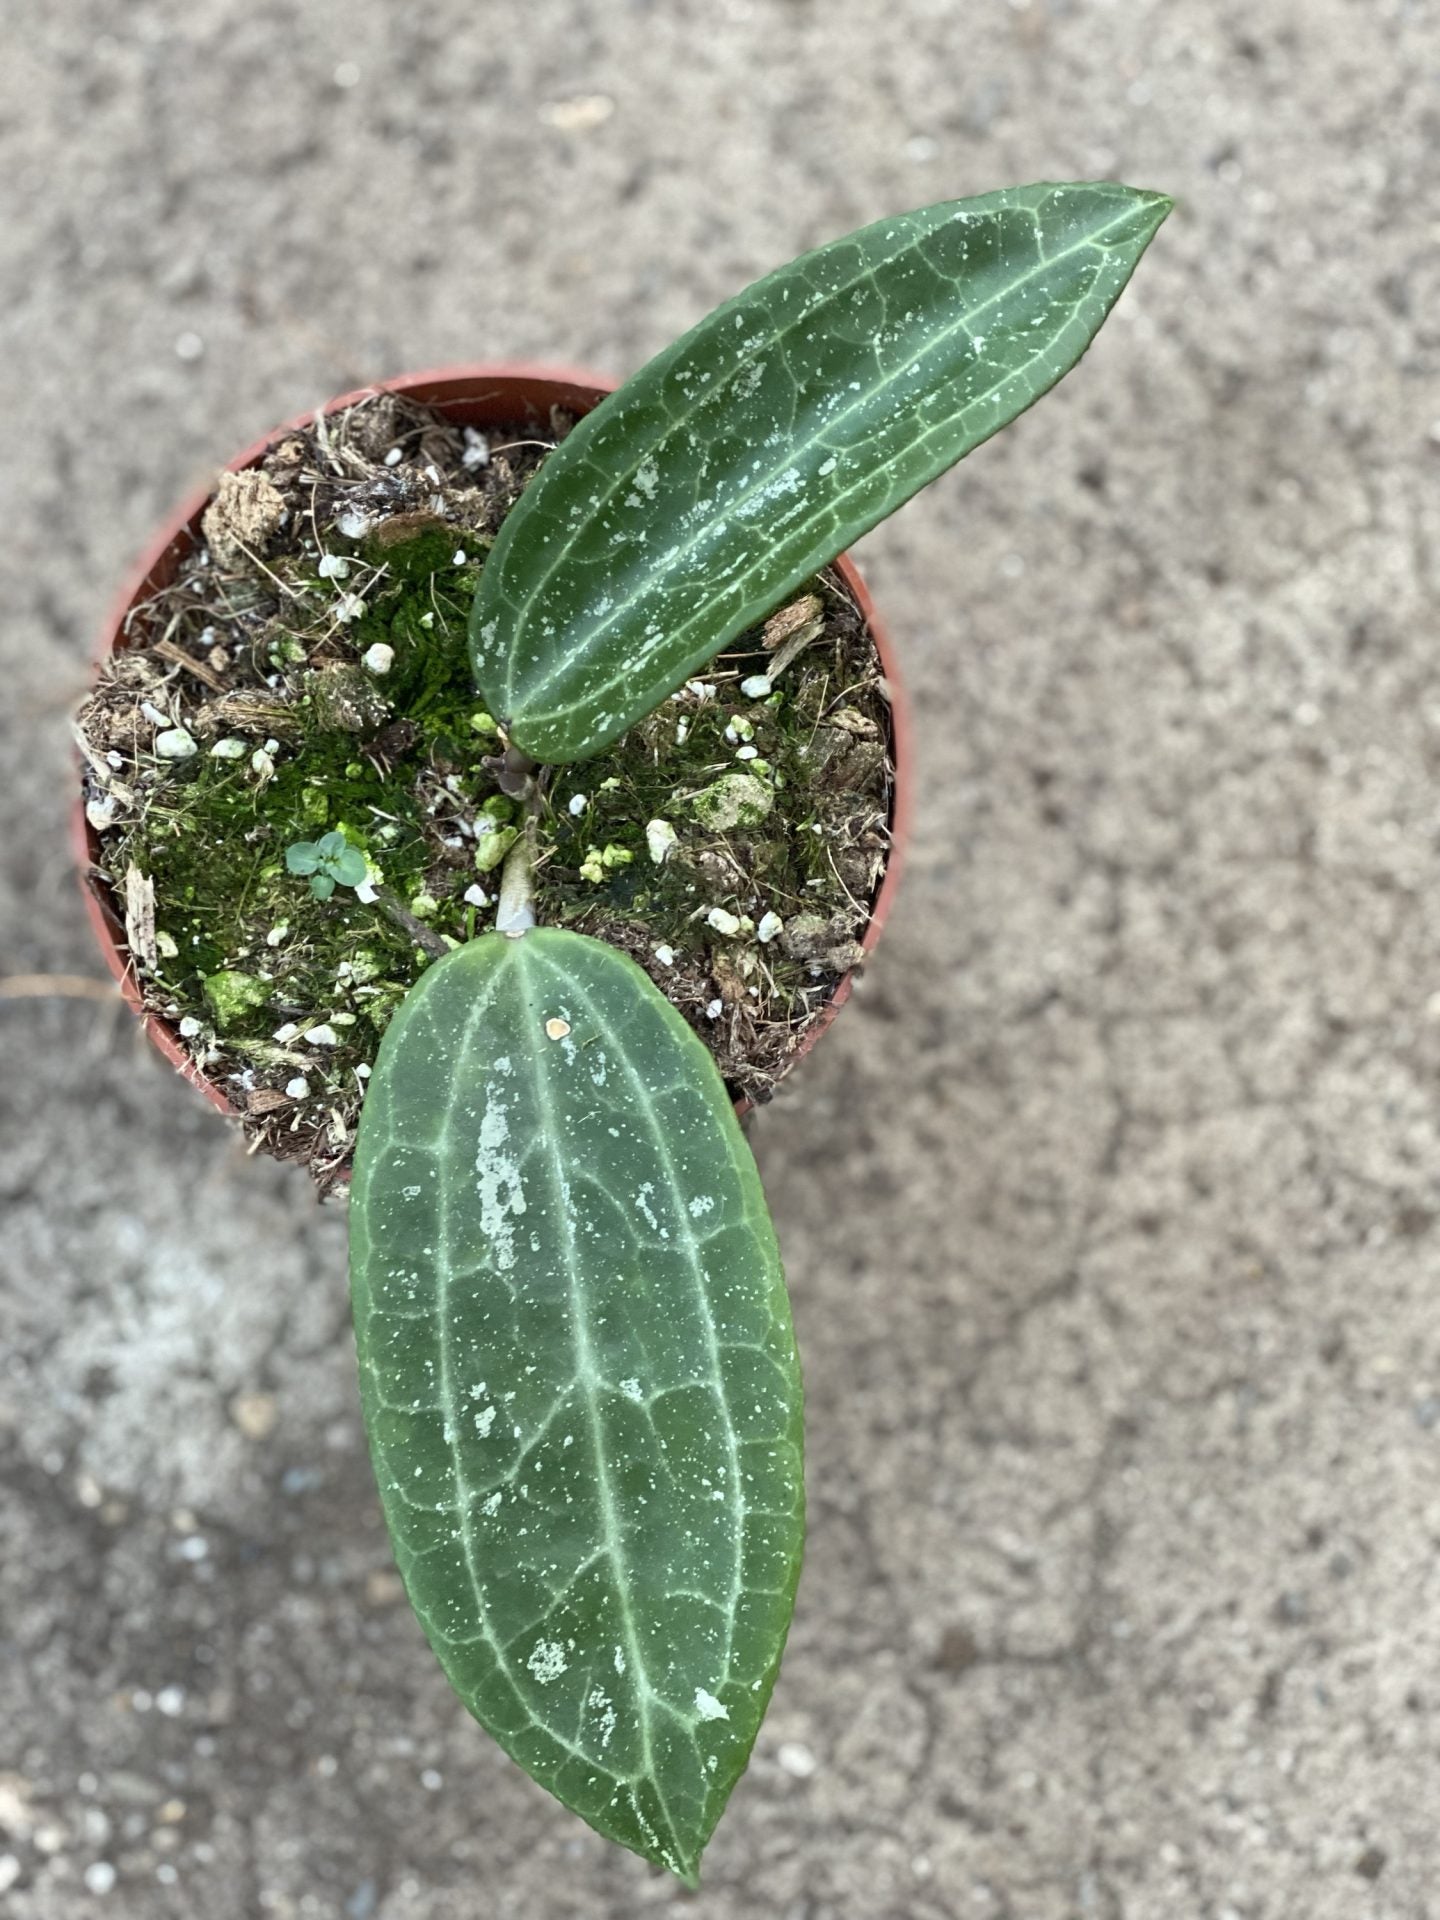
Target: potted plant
499,806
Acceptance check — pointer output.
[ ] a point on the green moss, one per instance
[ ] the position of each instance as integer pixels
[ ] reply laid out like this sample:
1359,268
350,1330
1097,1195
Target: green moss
233,996
734,800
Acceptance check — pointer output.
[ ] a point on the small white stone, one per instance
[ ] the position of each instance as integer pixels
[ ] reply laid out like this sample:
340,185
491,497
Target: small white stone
171,1701
154,715
353,523
272,746
379,658
100,811
188,346
321,1036
660,838
276,935
682,732
770,925
665,955
796,1759
189,1027
702,689
174,744
298,1088
476,897
228,749
362,1072
722,921
714,1010
393,457
333,566
477,449
459,557
578,804
115,760
747,753
349,607
365,893
262,763
9,1871
756,687
100,1875
284,1035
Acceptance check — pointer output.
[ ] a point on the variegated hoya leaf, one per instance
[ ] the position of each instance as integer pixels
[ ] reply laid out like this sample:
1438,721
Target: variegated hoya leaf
579,1378
746,456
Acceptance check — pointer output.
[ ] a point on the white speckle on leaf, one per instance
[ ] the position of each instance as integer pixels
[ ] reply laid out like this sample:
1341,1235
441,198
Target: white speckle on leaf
702,1203
827,466
708,1707
601,1703
484,1420
632,1390
557,1029
547,1661
642,1205
619,1659
501,1194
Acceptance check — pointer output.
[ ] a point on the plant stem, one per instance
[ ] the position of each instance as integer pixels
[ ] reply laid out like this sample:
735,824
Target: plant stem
515,913
422,935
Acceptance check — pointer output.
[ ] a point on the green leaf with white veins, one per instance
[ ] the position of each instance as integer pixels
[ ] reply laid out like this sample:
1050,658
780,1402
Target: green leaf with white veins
746,456
579,1378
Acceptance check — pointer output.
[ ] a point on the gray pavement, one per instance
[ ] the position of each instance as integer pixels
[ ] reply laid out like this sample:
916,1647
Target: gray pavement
1111,1209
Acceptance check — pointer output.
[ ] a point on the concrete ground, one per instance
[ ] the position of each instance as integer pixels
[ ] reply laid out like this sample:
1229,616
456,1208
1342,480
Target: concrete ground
1112,1208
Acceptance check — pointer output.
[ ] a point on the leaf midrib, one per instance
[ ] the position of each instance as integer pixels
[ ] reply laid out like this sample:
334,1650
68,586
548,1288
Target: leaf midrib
585,1375
735,1502
464,1499
813,442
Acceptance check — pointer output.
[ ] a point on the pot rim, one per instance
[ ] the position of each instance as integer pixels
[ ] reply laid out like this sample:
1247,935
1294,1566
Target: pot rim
446,389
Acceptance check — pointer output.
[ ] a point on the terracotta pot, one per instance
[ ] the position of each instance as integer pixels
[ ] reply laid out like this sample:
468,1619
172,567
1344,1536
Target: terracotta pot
478,397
